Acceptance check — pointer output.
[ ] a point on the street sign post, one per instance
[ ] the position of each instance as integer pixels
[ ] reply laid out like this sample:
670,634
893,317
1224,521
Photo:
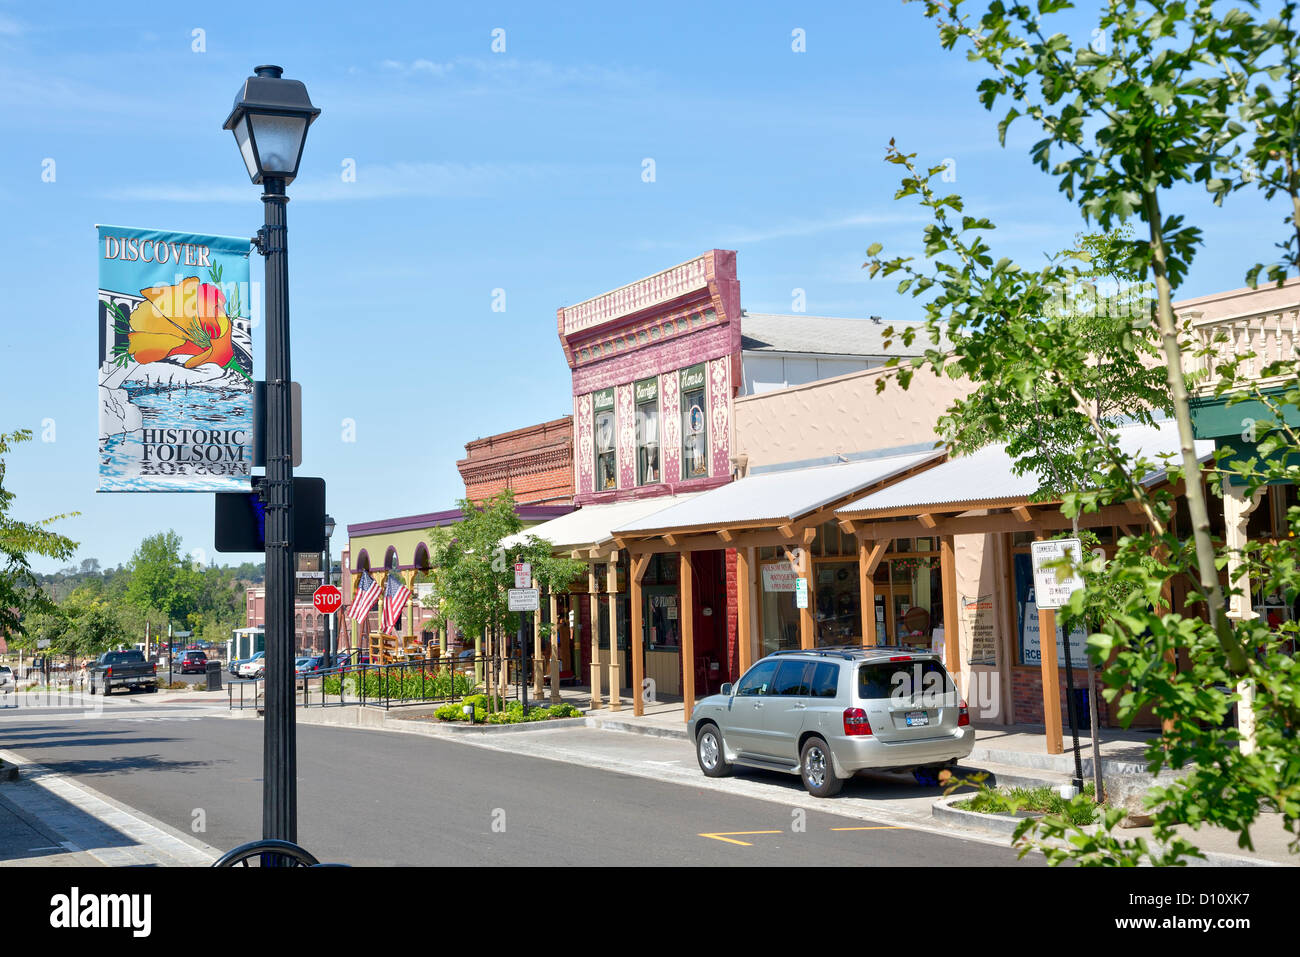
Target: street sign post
327,599
1053,586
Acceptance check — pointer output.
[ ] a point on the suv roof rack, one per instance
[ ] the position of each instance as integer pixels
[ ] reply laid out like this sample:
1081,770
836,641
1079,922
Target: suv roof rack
856,651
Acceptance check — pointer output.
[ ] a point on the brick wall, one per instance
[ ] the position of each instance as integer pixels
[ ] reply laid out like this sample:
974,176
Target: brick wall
1027,696
535,462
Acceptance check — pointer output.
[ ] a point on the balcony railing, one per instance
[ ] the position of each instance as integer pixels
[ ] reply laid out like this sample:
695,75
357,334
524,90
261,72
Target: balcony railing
1266,336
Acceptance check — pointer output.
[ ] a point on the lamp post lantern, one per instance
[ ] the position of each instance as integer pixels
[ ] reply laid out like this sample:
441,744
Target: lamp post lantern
270,119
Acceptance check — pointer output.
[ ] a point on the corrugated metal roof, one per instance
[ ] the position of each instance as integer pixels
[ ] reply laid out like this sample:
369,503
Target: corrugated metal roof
987,476
777,496
824,335
591,524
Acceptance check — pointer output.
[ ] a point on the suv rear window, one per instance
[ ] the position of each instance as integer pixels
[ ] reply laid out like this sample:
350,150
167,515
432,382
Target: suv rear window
884,679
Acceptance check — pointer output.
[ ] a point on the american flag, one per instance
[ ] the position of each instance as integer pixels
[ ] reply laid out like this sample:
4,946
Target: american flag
396,595
367,594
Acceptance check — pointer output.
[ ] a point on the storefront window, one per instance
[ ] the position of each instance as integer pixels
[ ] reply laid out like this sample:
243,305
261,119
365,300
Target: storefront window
780,616
661,612
647,431
695,424
838,619
606,464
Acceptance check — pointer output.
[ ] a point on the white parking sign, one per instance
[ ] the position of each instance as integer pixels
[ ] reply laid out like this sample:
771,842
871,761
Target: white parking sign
1053,586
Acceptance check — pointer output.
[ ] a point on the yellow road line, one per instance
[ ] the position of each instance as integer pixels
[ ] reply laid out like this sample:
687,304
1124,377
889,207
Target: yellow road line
723,836
882,827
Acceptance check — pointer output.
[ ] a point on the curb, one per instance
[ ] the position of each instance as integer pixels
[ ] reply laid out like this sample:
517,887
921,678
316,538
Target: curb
615,724
943,810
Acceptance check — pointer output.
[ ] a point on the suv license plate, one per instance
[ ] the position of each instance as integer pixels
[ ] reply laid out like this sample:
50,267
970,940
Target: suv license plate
916,719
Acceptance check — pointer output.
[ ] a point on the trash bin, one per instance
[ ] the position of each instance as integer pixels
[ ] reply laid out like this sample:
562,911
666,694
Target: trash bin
214,675
1081,709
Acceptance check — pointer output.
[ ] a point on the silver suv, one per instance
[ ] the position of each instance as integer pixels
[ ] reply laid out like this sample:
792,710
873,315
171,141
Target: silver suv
828,713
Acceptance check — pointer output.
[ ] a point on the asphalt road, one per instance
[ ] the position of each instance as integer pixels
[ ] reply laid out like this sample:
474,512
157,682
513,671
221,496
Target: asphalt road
370,798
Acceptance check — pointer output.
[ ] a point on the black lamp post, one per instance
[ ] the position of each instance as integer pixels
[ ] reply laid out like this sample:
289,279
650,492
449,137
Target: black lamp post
327,568
270,120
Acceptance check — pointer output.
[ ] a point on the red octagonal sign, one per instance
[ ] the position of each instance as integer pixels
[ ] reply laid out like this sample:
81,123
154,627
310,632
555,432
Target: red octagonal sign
327,599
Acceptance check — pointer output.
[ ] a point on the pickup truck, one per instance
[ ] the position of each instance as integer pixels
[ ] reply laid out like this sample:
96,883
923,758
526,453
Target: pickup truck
122,669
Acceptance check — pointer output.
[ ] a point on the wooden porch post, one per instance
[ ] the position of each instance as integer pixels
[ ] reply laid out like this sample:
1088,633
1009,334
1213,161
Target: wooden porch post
593,598
1051,679
948,581
615,681
684,576
638,568
743,596
554,669
806,631
537,649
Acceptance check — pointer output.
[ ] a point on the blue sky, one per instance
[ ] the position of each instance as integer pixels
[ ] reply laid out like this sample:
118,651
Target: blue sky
475,171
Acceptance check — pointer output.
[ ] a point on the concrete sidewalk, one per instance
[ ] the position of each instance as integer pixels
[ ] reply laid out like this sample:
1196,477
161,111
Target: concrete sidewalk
47,819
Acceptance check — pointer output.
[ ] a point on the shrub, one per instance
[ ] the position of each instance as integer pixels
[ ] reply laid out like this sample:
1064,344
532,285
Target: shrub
403,684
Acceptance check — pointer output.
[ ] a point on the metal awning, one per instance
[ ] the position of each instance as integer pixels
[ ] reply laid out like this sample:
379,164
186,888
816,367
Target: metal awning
987,479
776,498
591,526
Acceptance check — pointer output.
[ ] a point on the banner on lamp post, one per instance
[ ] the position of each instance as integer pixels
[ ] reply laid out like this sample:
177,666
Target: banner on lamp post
175,362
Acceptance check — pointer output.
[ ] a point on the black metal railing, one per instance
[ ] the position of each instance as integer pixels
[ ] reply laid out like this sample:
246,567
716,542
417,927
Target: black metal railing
417,681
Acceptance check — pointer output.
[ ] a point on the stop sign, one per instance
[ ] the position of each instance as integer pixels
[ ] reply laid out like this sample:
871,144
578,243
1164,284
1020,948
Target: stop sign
327,599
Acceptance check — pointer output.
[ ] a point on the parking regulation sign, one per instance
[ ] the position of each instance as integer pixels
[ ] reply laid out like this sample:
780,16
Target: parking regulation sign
1053,586
523,599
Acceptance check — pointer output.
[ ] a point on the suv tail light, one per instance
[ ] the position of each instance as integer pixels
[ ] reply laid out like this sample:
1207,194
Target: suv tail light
108,671
855,722
963,716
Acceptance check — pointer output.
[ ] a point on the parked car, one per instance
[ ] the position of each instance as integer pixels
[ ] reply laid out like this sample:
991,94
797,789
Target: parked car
195,661
352,661
826,714
8,684
252,667
122,669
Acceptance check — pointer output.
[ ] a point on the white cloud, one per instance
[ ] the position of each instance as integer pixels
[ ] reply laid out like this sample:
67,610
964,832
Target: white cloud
10,27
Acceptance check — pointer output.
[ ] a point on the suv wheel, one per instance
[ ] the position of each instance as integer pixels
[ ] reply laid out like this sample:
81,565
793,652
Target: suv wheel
817,770
708,751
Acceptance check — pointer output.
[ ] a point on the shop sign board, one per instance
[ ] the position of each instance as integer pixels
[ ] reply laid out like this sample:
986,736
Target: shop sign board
523,599
801,593
603,400
647,390
693,378
174,327
1053,585
977,623
779,576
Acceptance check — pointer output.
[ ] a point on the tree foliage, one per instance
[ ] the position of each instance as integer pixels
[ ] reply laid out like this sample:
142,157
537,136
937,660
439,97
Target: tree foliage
1163,94
20,594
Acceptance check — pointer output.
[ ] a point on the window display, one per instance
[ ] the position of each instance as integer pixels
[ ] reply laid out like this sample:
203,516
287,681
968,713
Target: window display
695,425
647,432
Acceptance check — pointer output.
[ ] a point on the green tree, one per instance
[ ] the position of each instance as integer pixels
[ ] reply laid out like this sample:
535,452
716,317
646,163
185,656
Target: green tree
20,592
1162,95
161,579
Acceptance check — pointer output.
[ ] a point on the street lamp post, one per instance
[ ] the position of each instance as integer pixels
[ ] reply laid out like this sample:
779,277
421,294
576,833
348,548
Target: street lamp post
270,119
327,568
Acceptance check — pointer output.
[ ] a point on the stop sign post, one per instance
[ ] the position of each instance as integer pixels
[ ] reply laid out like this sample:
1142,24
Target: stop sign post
327,599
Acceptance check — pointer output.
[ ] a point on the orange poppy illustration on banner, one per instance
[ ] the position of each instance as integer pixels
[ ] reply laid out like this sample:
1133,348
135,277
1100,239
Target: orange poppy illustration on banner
175,362
185,320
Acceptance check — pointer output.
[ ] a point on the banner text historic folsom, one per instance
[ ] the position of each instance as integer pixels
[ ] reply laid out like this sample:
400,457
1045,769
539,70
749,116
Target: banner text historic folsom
193,445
